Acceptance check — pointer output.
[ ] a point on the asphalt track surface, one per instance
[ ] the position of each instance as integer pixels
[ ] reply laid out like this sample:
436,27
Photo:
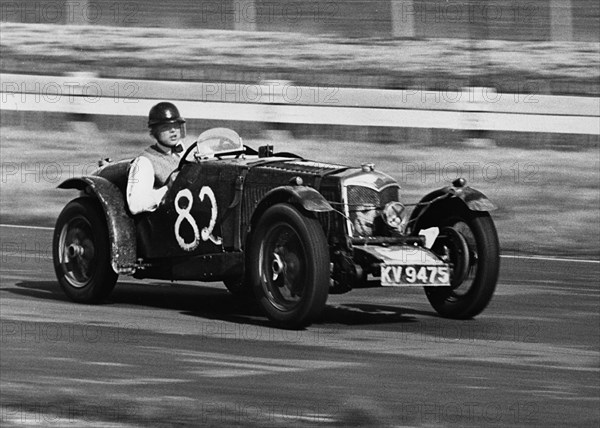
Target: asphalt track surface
161,354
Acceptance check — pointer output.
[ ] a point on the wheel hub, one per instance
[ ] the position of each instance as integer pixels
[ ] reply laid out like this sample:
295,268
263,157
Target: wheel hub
277,266
75,250
78,252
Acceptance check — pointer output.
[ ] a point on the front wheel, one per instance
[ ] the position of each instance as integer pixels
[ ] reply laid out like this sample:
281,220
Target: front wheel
289,266
81,252
469,241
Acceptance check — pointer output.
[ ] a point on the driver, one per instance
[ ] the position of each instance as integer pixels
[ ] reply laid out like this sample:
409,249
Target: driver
150,172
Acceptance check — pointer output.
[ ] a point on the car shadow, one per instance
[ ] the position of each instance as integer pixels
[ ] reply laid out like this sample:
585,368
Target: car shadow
364,313
47,290
194,300
218,304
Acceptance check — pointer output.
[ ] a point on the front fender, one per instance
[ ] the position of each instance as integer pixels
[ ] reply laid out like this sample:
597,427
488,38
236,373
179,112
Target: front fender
473,199
306,197
301,196
121,227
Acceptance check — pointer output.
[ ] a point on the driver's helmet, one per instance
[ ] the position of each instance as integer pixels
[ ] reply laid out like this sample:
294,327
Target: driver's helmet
165,112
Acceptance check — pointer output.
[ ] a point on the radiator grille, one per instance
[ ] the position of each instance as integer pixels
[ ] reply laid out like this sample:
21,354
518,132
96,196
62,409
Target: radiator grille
364,208
366,196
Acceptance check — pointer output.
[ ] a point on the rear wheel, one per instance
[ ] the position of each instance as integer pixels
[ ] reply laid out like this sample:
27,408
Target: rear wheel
81,252
289,266
469,241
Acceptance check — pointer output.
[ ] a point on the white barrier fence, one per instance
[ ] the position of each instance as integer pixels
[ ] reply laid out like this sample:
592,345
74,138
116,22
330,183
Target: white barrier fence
283,102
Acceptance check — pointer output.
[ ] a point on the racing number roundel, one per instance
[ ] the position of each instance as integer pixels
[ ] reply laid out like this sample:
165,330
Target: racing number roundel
184,214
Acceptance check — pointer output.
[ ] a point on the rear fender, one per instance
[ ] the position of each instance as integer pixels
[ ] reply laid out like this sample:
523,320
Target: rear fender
121,227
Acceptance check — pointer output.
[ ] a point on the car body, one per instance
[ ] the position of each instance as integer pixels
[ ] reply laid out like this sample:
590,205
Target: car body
282,229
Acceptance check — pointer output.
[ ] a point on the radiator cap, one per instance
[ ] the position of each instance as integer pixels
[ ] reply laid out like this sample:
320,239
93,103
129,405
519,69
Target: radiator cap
459,182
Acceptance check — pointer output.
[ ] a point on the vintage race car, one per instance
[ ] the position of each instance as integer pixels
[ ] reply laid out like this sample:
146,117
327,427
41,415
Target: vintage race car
281,229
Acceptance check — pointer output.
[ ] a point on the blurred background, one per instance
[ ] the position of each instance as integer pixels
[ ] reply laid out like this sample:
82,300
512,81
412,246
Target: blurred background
549,20
546,183
537,47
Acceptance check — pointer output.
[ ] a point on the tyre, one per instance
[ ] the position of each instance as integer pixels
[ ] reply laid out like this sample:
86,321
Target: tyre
81,252
470,241
289,266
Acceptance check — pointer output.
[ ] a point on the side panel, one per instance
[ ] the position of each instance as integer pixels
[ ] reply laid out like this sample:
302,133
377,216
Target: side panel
189,221
210,267
121,227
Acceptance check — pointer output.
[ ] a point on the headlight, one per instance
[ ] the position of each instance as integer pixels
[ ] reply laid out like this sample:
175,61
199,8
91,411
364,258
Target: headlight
394,215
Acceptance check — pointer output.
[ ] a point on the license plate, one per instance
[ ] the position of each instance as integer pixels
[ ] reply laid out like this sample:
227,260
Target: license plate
394,276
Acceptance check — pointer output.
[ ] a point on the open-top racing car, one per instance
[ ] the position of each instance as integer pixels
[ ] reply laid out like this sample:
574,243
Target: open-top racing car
282,229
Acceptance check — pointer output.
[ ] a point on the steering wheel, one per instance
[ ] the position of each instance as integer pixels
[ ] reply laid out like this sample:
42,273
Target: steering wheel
186,154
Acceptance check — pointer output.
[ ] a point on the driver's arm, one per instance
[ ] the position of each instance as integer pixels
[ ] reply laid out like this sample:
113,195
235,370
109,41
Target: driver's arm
141,195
